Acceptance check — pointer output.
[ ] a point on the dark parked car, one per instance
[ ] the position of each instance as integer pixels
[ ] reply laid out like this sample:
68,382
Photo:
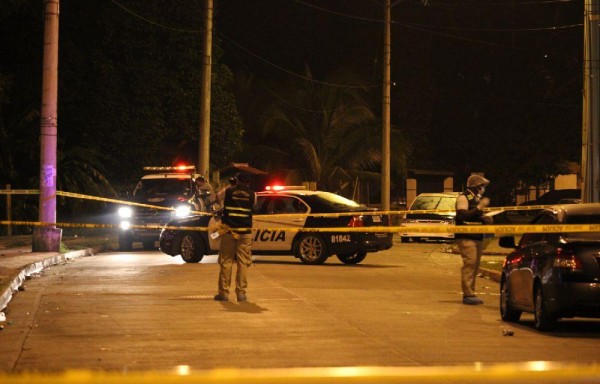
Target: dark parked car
557,196
554,275
278,217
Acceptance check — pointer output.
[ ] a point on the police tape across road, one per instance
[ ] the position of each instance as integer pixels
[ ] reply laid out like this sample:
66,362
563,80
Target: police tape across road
485,229
496,230
372,212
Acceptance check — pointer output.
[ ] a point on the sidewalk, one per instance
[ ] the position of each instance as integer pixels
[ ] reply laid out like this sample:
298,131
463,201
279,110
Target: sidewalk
18,262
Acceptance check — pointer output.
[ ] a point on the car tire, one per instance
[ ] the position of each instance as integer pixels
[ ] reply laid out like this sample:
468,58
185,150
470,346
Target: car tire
404,239
148,244
544,321
311,249
191,247
507,312
352,258
125,242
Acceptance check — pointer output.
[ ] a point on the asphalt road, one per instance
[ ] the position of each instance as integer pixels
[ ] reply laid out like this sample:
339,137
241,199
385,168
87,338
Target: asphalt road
147,311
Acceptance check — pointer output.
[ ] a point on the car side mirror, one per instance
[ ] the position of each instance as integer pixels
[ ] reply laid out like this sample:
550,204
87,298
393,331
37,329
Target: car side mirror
507,242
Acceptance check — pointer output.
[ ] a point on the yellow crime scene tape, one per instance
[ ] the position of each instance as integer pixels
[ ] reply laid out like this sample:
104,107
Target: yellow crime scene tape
485,229
496,230
389,212
526,372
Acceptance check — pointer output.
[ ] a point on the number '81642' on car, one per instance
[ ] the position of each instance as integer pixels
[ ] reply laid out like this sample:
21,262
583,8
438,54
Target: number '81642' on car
278,218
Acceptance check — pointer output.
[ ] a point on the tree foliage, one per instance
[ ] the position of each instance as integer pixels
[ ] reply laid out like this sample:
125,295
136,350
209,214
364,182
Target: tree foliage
323,133
129,89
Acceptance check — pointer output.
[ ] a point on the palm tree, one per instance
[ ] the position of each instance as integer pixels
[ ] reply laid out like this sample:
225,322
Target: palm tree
324,133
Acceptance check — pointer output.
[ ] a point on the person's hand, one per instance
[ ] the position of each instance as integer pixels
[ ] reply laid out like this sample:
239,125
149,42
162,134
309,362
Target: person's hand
483,202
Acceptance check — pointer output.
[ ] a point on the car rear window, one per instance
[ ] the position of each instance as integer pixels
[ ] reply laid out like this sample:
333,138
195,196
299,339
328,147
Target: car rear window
330,202
434,202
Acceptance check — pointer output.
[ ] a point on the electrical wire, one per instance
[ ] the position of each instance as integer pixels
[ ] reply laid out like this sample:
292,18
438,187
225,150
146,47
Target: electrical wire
154,22
551,28
419,27
338,13
225,37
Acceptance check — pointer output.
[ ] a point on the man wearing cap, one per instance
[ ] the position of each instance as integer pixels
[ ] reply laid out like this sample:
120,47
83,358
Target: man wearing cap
469,206
205,191
236,243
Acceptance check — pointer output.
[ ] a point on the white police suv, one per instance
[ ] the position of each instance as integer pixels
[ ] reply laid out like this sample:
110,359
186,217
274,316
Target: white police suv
288,221
160,195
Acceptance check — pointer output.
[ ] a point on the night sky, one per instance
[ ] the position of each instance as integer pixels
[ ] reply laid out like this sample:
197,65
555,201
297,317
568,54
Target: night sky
292,34
329,34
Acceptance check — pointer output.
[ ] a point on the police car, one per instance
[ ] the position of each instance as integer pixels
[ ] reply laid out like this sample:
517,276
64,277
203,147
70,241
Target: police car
278,217
160,195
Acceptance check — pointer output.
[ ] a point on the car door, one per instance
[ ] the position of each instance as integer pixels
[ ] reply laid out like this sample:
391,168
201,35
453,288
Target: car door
532,248
276,221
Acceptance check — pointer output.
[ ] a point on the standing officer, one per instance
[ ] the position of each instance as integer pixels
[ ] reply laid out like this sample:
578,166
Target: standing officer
205,192
236,243
469,205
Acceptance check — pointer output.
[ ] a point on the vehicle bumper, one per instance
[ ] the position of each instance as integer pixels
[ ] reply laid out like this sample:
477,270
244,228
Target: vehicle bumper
166,242
141,234
428,235
575,300
361,242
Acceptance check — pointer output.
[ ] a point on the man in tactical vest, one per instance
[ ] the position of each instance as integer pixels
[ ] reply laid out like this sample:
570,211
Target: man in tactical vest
236,241
469,206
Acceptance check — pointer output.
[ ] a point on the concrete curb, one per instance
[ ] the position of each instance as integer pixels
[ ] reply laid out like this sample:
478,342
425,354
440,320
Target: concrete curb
19,277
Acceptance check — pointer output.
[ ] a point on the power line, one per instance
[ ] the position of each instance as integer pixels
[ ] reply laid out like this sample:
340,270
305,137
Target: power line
451,28
294,73
419,27
280,68
494,29
338,13
154,22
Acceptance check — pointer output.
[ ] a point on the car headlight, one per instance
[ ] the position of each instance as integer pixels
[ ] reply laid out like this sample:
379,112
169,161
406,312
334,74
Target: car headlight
125,212
183,211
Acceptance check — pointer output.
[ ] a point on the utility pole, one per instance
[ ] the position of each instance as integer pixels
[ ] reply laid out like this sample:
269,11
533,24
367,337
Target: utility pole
46,238
204,139
590,153
385,142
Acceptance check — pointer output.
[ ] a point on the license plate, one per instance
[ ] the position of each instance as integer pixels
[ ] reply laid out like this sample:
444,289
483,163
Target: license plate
377,219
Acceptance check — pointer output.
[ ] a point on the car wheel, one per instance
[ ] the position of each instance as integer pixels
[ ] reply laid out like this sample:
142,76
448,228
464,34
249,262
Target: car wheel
191,248
544,321
125,242
352,258
148,244
404,239
507,312
311,249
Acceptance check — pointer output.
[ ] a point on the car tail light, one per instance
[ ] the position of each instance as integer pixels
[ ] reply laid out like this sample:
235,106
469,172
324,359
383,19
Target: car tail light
356,221
566,258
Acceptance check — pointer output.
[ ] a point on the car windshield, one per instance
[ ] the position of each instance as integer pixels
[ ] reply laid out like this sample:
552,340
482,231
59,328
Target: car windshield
434,202
162,187
582,236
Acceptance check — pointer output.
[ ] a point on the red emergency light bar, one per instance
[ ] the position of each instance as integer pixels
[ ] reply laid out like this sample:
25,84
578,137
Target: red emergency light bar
276,188
177,168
